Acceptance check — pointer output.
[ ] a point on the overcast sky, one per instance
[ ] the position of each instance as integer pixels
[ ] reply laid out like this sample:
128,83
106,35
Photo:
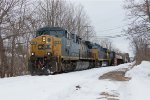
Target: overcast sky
105,15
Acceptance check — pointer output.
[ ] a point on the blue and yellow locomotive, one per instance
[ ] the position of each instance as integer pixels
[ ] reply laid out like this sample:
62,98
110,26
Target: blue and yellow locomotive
54,50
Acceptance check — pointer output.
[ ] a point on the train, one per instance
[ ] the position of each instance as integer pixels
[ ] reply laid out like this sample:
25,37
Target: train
55,50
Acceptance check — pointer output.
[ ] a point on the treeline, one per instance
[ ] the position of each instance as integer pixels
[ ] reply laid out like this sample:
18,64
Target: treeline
138,13
19,20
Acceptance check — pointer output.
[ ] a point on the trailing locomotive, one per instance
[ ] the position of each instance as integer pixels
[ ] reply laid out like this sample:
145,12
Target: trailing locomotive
53,50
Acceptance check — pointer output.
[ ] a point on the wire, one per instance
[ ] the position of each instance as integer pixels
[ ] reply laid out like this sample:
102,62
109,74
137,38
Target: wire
113,28
123,35
114,33
115,36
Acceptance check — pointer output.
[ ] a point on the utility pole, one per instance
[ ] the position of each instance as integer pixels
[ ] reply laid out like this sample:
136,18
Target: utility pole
87,32
48,12
148,9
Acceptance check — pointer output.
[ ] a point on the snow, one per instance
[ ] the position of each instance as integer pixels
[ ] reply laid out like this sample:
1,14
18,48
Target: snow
139,85
79,85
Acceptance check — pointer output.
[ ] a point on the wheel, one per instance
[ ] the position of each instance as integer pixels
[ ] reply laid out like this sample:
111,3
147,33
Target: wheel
74,64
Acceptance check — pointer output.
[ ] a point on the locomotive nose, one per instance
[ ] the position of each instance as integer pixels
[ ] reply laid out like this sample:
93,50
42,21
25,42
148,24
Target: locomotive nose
41,46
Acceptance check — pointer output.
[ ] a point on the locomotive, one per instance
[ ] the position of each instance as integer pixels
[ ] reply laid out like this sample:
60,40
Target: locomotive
54,50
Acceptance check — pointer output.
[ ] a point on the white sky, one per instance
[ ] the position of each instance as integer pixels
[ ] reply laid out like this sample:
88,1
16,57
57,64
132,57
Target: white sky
105,15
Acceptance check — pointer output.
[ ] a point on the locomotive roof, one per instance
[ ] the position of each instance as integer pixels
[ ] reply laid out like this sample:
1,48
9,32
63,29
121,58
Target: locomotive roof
51,28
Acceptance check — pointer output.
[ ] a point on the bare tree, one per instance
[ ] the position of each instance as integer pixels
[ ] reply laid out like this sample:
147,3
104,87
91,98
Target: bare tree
60,13
106,43
14,21
139,28
6,6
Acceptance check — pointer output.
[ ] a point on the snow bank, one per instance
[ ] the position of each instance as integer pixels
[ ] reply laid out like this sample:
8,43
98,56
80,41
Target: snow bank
139,86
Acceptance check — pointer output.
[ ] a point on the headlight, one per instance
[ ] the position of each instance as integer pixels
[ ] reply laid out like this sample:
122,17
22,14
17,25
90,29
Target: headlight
32,53
43,38
48,53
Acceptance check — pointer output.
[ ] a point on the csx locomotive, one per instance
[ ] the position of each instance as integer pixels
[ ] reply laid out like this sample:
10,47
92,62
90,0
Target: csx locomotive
54,50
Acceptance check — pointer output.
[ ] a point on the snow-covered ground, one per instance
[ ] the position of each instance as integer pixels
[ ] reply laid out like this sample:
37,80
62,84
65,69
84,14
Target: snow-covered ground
81,85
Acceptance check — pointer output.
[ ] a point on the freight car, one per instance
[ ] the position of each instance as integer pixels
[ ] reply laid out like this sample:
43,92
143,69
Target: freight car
54,50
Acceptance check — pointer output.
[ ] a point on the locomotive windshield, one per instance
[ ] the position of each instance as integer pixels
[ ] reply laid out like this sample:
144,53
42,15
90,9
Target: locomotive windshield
57,32
53,33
